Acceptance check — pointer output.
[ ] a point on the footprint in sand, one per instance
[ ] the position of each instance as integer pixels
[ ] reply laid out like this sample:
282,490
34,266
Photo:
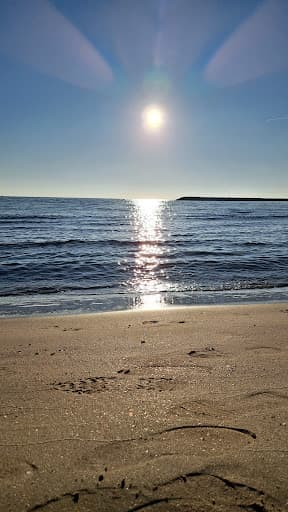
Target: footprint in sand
262,347
205,352
267,393
123,382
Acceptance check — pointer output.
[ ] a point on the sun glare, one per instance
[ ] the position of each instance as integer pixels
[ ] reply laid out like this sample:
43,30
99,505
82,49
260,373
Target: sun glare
153,117
148,217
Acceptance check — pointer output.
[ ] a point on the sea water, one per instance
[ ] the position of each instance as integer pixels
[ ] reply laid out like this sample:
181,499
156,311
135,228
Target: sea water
89,255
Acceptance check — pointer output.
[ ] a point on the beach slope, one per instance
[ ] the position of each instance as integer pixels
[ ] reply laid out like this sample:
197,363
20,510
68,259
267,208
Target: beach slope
176,409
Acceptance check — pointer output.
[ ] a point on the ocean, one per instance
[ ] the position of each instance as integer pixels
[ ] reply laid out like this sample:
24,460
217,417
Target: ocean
62,256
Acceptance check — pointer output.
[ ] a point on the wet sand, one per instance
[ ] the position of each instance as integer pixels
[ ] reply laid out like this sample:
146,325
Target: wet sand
179,409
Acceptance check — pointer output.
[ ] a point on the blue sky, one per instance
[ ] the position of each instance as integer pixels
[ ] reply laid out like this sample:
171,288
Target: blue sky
76,75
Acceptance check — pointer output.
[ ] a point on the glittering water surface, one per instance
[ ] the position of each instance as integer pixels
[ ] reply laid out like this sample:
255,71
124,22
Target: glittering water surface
72,255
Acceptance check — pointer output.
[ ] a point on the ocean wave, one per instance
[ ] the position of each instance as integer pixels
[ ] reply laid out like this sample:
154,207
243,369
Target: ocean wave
79,241
235,245
48,290
18,218
237,286
129,287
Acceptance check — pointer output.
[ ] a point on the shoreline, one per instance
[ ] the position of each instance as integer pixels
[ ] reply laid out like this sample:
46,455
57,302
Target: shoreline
141,307
180,407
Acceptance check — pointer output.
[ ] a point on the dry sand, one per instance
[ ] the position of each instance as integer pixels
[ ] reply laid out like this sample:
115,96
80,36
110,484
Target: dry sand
170,410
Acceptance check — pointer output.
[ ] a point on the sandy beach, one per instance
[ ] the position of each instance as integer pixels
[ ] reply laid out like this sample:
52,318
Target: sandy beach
175,409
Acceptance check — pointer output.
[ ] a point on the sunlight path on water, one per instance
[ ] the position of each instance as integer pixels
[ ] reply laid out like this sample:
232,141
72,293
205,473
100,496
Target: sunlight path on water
148,225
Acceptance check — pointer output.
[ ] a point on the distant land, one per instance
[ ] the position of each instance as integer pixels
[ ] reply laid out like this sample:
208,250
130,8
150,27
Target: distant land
205,198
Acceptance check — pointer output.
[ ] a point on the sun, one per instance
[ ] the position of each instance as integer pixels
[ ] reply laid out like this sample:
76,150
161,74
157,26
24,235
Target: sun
153,117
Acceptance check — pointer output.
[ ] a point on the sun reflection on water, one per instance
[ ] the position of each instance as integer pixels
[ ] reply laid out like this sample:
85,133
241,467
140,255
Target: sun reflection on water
148,226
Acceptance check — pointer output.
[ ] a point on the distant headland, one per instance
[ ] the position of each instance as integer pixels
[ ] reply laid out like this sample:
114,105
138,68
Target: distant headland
206,198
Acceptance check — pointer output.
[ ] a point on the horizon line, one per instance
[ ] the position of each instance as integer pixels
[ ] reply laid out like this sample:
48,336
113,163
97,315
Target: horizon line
182,198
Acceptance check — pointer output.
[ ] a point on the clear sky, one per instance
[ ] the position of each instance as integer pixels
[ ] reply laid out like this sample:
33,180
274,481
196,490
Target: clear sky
76,75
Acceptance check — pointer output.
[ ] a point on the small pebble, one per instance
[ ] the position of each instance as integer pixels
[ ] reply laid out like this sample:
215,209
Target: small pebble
75,497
